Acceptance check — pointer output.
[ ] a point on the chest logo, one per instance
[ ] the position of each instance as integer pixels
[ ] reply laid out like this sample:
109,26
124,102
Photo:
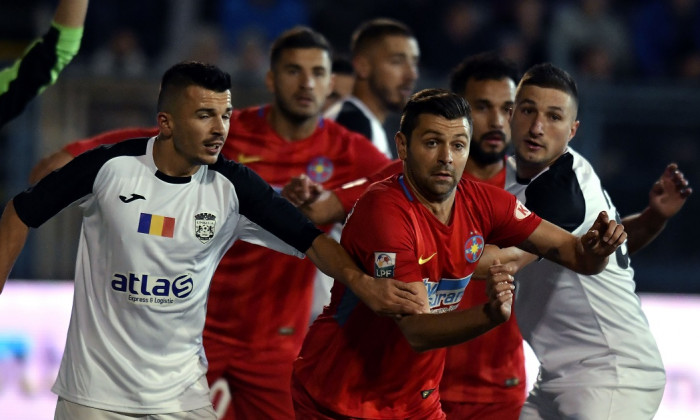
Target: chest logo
132,198
204,226
422,260
244,159
320,169
473,248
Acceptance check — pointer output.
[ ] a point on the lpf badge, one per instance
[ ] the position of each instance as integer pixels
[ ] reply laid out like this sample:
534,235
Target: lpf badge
204,224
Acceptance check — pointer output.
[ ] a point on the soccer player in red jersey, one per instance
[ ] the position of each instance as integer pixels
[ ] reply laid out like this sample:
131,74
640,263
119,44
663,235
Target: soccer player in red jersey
259,301
484,378
424,226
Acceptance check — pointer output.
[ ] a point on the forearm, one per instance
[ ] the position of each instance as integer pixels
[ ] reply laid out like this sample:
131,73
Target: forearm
326,209
513,257
430,331
335,262
71,13
642,228
13,235
557,245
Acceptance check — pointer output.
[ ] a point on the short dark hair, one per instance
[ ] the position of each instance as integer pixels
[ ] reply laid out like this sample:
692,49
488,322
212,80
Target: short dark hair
483,66
374,30
191,73
298,37
547,75
439,102
342,65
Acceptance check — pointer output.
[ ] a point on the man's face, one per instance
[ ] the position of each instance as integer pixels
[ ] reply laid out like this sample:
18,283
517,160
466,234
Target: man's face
543,123
492,106
392,70
199,124
435,157
301,81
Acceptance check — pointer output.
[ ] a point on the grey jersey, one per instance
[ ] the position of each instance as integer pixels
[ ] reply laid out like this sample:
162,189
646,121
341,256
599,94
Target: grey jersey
148,248
585,330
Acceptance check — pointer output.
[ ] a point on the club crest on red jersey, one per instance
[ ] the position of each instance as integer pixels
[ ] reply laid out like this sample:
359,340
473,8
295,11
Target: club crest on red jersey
204,226
521,211
384,264
320,169
473,248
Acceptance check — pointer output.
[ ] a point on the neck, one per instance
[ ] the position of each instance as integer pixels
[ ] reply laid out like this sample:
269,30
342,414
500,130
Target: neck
168,161
288,128
484,172
363,92
441,209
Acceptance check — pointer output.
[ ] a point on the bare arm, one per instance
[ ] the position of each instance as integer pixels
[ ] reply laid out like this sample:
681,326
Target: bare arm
13,235
49,164
512,257
666,198
71,13
430,331
587,254
321,206
383,296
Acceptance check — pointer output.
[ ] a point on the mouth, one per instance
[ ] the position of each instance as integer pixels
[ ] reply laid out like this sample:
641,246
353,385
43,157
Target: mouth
532,145
213,147
304,100
442,175
494,138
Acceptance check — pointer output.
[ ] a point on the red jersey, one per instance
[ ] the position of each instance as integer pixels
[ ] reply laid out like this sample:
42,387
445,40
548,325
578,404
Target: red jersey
358,364
491,367
261,299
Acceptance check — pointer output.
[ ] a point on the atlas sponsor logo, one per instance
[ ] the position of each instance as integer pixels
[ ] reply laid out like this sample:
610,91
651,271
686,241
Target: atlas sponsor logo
148,289
445,295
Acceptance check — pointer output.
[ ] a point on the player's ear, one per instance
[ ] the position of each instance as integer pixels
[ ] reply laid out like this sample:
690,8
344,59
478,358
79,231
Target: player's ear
165,124
401,145
270,81
362,66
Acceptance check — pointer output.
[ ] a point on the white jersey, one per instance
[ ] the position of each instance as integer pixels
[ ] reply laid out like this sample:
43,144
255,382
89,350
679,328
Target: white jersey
585,330
354,115
148,248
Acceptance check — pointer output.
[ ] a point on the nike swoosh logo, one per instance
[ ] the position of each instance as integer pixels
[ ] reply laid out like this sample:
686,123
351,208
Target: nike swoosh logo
422,260
132,198
243,159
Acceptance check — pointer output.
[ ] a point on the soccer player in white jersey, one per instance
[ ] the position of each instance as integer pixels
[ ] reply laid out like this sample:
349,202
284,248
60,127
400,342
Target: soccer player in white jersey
598,357
158,214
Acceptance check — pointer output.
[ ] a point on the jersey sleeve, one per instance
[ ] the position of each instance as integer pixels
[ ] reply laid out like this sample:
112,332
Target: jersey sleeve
108,137
37,69
350,192
381,237
266,208
511,222
254,234
65,185
556,195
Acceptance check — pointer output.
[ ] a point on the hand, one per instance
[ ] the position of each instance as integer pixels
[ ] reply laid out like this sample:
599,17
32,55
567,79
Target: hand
667,196
301,190
604,236
499,288
387,296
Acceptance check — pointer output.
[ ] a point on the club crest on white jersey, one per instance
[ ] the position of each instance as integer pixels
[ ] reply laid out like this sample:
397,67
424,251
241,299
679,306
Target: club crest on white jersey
204,226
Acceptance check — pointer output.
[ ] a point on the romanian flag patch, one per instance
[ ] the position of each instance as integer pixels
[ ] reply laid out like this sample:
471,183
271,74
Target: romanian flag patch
152,224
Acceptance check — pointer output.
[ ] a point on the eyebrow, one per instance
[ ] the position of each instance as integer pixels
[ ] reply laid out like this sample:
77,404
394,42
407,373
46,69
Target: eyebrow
437,133
550,108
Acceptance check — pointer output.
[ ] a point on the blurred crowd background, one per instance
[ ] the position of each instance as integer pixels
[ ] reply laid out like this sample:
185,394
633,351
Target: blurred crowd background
637,63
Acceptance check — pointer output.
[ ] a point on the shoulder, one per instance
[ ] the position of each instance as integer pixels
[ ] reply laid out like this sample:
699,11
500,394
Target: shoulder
556,194
353,117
